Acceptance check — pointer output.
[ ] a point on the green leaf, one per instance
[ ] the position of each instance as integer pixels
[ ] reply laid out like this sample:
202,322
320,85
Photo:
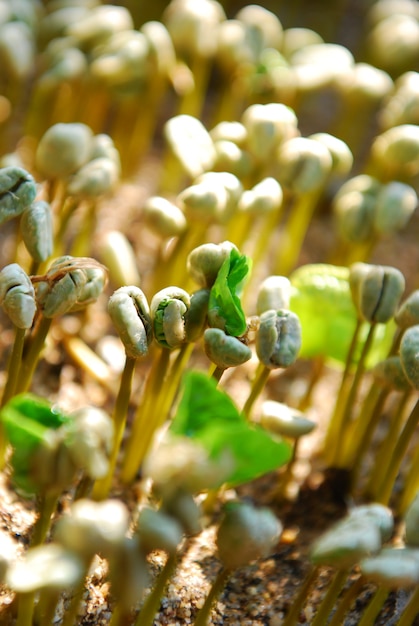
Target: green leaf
225,309
26,419
210,417
321,297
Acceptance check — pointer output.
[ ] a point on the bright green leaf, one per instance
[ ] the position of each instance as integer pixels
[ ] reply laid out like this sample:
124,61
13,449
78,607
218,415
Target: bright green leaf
224,309
26,419
209,416
321,298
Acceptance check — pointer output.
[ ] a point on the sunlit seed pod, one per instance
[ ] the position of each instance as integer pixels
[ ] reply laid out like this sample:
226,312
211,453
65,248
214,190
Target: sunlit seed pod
193,26
354,205
204,201
55,23
230,158
408,312
163,217
386,8
273,293
266,23
238,46
411,521
282,420
264,197
118,255
17,191
278,339
91,528
346,543
354,213
130,314
52,467
63,149
224,350
394,568
158,531
17,50
376,291
131,560
168,309
394,207
390,373
160,46
180,463
230,131
99,24
409,355
342,158
402,106
231,184
89,440
317,65
37,230
303,164
196,315
295,38
375,513
47,567
363,83
69,284
246,533
64,65
191,143
122,60
268,126
17,295
396,150
393,43
95,178
204,262
102,146
183,507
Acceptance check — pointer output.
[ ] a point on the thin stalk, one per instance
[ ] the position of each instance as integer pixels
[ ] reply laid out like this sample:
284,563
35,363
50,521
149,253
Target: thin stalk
259,381
374,607
384,492
151,605
145,419
119,417
293,616
25,609
295,231
13,365
47,506
411,484
345,604
352,395
83,242
203,615
317,369
70,616
363,430
46,607
30,359
172,383
217,373
120,616
192,102
335,423
387,445
410,611
328,602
